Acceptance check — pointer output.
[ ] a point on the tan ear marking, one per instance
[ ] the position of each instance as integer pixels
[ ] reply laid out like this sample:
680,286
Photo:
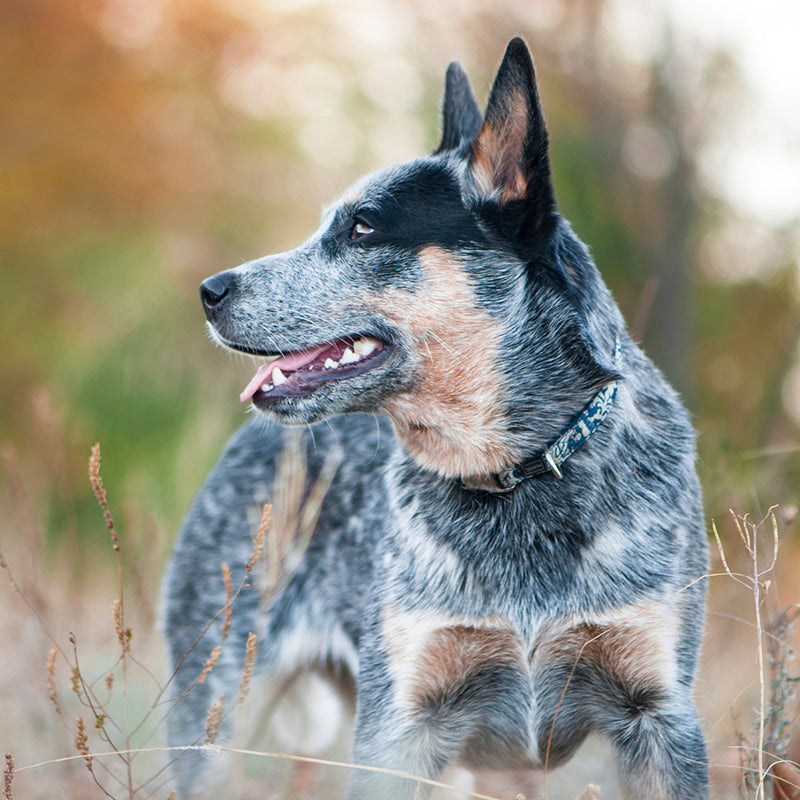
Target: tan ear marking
497,153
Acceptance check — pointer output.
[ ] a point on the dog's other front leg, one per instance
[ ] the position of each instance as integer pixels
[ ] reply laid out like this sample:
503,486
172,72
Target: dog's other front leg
395,730
630,682
660,750
390,737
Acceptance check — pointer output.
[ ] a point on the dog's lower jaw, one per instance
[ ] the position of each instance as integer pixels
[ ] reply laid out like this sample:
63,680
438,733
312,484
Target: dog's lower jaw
362,392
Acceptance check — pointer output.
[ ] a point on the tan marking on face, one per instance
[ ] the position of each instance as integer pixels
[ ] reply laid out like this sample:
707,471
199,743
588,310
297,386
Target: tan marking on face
452,421
431,653
637,648
498,150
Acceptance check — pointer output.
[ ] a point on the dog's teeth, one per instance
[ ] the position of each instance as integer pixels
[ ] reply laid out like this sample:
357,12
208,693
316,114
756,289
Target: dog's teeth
363,347
278,377
330,364
348,357
267,387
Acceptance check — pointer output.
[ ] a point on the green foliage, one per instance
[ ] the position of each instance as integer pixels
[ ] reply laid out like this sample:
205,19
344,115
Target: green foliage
142,152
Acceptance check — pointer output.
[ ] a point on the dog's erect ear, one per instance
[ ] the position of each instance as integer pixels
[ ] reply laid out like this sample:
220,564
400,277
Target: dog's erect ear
509,157
461,117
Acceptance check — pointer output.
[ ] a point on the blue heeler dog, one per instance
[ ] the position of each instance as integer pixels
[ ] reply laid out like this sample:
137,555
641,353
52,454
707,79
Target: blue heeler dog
511,552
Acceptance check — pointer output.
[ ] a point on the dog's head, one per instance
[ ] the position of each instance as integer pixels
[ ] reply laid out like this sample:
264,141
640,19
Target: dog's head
446,292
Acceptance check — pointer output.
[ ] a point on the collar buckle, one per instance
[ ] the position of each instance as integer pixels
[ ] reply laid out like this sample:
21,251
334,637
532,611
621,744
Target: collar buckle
552,464
551,459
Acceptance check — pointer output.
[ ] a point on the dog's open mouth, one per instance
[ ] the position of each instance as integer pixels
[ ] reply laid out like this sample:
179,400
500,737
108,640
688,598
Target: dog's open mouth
300,373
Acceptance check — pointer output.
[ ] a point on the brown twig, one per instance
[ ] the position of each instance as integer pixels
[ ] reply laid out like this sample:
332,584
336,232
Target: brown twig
282,756
124,634
247,672
8,777
758,585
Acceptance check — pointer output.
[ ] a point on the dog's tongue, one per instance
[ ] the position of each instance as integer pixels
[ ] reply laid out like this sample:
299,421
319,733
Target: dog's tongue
288,363
261,377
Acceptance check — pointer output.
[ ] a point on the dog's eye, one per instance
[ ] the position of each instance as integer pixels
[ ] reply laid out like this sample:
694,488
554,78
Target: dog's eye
360,229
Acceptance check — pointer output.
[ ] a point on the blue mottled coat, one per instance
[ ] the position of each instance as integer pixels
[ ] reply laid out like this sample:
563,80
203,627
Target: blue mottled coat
482,627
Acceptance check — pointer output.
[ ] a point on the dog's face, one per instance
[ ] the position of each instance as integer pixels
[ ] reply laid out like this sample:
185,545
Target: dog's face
415,295
333,319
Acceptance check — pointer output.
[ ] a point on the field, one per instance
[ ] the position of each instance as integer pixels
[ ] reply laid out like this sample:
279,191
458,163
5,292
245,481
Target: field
83,676
147,145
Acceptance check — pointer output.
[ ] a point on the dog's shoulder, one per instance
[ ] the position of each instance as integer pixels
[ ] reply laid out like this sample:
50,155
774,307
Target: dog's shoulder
252,454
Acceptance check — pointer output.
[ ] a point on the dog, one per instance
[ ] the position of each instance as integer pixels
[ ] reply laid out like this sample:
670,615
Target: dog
511,552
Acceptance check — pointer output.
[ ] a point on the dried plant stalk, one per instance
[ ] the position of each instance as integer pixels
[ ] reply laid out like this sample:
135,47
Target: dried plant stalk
75,681
214,720
761,755
295,512
124,634
210,663
226,625
8,777
247,672
100,494
52,689
261,535
82,742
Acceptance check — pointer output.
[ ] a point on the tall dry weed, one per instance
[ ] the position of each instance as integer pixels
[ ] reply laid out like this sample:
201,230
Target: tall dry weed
767,771
109,732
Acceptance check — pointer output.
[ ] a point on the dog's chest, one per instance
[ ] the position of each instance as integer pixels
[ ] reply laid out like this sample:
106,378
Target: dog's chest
512,684
500,560
507,630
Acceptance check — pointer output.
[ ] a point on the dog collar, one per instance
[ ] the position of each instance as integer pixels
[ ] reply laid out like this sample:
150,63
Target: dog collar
556,453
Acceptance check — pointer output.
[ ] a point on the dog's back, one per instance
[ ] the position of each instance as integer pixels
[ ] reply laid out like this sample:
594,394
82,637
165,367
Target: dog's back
517,559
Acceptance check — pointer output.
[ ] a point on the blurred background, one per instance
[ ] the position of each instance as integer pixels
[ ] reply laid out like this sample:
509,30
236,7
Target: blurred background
146,144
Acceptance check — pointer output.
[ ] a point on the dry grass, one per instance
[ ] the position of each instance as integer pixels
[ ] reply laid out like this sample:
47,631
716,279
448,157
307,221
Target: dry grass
110,706
108,735
765,765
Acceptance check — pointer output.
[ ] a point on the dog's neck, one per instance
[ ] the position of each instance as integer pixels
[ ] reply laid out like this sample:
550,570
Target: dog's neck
550,460
452,418
473,453
470,446
463,435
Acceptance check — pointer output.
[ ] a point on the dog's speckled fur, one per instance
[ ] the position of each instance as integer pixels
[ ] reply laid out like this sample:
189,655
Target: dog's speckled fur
463,615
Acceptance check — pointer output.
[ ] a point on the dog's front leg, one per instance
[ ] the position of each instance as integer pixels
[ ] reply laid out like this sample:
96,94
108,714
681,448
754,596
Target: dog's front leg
392,734
388,740
660,750
435,688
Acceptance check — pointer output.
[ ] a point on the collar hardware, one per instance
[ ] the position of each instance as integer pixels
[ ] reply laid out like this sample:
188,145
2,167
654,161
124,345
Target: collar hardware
555,454
551,462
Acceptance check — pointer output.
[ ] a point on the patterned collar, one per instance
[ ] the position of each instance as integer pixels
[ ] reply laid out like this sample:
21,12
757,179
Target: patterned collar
556,453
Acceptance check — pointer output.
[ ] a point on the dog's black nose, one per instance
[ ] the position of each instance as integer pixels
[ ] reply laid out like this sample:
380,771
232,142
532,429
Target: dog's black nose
213,291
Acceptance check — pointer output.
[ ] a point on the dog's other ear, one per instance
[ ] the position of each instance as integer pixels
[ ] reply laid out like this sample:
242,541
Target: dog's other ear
509,157
461,117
